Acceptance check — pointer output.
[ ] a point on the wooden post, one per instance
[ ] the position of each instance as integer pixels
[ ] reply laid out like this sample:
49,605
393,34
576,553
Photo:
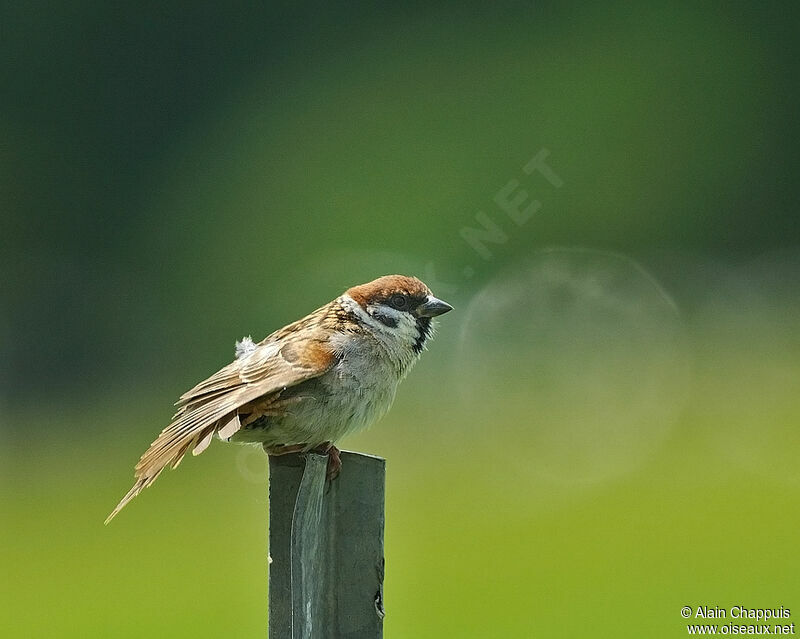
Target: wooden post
326,547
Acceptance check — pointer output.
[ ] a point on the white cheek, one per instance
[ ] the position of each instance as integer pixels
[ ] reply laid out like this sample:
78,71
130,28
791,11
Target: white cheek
398,340
407,328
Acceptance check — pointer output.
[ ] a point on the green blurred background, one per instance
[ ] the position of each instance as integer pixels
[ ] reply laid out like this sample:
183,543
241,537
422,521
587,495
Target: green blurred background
606,428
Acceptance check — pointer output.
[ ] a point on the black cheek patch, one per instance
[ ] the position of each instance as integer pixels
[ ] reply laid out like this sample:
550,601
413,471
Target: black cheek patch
386,320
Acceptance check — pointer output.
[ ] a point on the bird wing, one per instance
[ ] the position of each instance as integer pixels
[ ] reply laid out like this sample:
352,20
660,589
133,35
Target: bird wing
212,405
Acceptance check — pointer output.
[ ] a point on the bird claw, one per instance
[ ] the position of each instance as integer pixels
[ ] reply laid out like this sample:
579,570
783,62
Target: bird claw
334,459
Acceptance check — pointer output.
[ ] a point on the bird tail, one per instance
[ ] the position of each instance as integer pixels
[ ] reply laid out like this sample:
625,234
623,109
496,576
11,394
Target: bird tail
138,487
186,432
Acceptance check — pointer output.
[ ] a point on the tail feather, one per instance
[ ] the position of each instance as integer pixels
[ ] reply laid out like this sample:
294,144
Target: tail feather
191,429
138,487
231,428
204,442
170,454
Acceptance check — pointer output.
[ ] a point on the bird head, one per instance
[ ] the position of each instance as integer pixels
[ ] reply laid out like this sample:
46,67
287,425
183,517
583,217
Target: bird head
398,308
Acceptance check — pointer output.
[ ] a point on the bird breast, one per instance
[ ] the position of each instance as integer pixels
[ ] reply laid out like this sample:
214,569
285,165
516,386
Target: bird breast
357,391
364,380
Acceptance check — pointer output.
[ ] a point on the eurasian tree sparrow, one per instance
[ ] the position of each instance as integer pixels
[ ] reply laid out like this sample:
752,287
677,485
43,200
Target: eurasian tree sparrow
305,386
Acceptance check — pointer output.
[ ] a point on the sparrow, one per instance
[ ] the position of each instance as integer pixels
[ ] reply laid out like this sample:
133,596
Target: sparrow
308,384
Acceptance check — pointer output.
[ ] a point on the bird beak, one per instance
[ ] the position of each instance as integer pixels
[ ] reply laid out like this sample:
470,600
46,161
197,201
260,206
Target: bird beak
432,307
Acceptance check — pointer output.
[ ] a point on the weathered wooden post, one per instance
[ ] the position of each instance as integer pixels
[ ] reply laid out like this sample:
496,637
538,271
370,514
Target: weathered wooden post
326,547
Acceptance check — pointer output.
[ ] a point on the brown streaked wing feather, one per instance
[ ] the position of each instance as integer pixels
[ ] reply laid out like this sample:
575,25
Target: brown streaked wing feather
248,367
209,407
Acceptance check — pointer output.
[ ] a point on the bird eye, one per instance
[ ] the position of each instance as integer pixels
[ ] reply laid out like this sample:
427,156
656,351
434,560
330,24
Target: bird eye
399,301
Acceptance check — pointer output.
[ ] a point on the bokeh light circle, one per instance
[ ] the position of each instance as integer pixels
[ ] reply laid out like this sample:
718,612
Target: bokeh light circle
576,361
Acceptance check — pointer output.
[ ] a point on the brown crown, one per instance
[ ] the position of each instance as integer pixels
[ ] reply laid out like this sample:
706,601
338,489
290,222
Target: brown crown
384,287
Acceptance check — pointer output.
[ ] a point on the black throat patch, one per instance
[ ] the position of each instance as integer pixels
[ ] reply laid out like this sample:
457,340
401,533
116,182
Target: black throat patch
424,329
